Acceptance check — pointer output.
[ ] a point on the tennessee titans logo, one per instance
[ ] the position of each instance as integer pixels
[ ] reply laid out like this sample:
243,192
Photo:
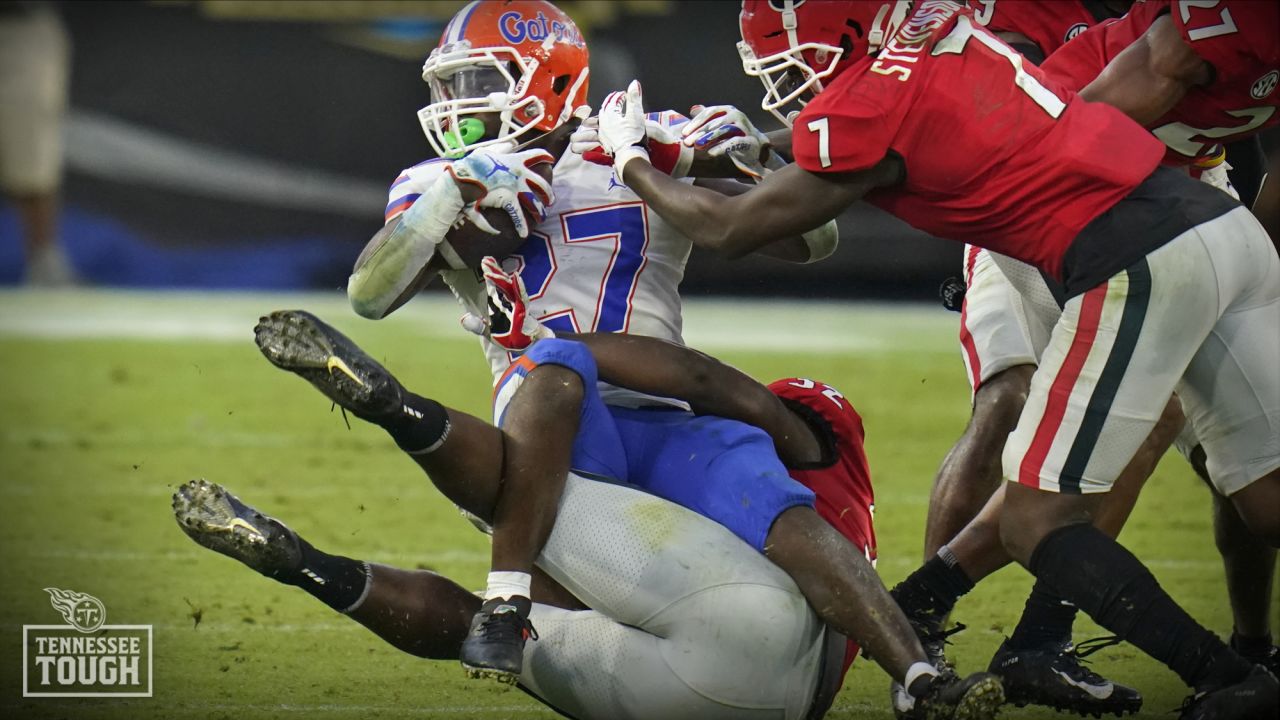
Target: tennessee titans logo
82,611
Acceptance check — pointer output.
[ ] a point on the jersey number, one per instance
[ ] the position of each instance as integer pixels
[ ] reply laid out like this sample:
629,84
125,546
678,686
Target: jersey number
822,126
1181,137
1225,26
829,392
627,229
958,39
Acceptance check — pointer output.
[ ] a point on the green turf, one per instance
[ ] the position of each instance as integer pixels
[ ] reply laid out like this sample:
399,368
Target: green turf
110,400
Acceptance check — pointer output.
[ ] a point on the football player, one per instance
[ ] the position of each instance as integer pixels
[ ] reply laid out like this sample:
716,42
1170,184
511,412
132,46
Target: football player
593,260
685,621
1004,330
1167,282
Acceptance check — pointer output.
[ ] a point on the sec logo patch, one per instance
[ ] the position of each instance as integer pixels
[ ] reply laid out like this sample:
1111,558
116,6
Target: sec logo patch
1265,85
1074,30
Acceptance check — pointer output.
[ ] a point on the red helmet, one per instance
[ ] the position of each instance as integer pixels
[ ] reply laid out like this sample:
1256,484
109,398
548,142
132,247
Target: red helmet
792,45
522,59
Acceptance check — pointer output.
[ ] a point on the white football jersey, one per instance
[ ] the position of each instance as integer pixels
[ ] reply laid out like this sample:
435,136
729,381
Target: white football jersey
600,262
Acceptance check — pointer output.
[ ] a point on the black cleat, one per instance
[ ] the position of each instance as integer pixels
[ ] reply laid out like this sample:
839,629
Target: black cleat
950,697
1054,677
928,628
306,346
1268,656
216,519
494,647
1255,697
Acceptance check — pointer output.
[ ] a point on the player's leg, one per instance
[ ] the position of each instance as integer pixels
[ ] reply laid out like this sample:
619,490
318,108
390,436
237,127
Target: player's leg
1120,345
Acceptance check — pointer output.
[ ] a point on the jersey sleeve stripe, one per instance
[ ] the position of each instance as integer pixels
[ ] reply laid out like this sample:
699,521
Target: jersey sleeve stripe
404,178
398,206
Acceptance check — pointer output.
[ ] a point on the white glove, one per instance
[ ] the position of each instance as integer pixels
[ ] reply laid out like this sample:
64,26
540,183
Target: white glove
509,323
667,153
622,127
725,130
505,181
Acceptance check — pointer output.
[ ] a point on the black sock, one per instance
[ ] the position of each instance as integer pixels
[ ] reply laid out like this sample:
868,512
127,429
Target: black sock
336,581
1118,591
420,427
1046,620
932,591
1251,646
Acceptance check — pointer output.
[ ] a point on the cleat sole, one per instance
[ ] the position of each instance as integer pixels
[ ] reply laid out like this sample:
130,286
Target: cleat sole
217,520
478,673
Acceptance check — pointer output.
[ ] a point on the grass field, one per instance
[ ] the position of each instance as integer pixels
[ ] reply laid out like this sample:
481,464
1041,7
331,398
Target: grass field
110,400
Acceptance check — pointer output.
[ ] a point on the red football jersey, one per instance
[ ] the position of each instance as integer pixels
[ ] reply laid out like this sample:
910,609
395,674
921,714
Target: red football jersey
1239,38
995,155
1047,23
845,498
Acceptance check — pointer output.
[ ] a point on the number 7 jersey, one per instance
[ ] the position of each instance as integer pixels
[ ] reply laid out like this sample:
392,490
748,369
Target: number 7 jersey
600,261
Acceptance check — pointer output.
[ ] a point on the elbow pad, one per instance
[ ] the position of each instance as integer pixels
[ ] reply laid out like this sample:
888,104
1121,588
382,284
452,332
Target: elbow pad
822,241
393,265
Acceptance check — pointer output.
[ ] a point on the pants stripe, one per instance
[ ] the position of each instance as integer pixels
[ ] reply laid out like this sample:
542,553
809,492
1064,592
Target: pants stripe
966,338
1063,383
1104,394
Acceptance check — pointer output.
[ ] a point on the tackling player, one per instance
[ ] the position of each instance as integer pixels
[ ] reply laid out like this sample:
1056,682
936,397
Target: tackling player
946,128
672,597
1206,69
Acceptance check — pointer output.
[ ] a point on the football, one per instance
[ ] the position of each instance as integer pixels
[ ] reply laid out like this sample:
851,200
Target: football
473,244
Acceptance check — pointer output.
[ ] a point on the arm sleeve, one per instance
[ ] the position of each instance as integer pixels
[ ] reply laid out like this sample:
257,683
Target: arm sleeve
409,186
1229,35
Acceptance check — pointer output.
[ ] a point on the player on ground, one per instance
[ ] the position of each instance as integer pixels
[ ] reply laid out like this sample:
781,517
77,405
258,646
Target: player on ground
1004,330
689,600
948,129
599,262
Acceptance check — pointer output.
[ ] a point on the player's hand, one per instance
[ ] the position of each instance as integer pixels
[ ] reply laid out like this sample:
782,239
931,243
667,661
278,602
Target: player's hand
507,182
622,127
509,323
667,153
726,131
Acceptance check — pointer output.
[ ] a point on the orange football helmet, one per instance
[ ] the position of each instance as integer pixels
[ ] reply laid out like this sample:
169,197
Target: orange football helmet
524,60
793,45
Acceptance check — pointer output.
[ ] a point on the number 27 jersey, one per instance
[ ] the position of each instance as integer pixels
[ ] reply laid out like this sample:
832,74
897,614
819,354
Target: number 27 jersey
599,262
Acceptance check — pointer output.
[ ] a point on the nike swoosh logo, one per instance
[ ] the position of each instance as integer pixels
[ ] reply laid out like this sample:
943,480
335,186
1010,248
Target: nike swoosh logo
1101,692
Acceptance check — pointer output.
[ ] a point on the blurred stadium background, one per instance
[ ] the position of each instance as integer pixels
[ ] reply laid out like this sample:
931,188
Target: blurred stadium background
239,145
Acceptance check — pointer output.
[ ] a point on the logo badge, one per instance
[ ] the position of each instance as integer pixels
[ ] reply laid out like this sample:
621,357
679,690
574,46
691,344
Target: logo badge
1074,30
1265,85
85,657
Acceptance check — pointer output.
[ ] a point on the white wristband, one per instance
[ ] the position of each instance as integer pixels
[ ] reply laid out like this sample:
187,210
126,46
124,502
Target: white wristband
822,241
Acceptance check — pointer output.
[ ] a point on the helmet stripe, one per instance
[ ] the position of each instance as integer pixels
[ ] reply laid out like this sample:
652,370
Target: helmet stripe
458,25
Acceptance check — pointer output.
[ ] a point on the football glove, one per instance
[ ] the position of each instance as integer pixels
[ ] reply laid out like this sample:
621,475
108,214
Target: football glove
505,181
666,152
509,323
724,130
622,127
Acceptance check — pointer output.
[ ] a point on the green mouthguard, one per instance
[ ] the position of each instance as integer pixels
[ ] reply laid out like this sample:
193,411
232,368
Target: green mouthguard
470,131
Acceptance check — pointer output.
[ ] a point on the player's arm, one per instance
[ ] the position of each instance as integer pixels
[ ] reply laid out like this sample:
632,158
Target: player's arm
787,203
658,367
810,247
1148,78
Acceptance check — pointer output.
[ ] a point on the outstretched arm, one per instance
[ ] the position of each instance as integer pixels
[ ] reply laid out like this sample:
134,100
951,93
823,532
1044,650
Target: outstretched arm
658,367
1152,75
787,203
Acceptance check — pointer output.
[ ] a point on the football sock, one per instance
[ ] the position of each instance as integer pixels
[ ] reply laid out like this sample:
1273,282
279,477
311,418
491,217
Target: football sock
1118,591
421,426
933,589
339,582
506,585
1046,620
1251,646
918,678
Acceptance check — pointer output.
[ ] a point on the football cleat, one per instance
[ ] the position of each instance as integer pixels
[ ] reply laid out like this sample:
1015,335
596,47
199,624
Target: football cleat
928,628
218,520
1054,677
1257,696
494,647
308,347
950,697
1268,657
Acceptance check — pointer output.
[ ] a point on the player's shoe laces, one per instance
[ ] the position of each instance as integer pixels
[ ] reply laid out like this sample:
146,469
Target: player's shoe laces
494,647
950,697
216,519
305,345
1055,677
1257,696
